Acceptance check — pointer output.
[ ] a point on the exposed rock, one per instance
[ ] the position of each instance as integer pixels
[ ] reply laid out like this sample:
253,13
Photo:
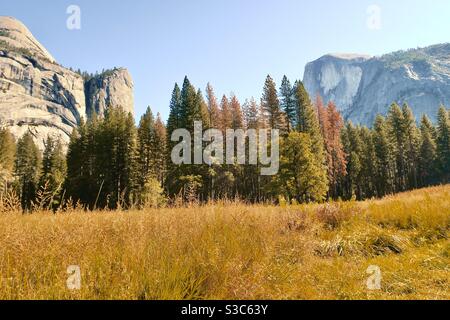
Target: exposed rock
40,96
112,88
362,86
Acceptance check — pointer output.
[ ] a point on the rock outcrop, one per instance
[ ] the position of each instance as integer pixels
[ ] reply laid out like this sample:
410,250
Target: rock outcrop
112,88
42,97
363,86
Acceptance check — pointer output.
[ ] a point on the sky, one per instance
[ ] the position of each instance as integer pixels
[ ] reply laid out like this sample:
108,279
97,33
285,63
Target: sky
233,44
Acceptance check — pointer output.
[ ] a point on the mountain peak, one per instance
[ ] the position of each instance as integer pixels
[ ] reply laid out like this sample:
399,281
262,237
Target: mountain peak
364,86
15,34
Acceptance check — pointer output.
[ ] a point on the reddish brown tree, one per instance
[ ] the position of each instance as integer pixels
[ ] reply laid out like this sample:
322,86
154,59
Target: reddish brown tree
236,113
226,117
213,107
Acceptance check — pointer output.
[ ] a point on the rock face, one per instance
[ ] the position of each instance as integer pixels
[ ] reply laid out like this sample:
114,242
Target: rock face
363,86
112,88
44,98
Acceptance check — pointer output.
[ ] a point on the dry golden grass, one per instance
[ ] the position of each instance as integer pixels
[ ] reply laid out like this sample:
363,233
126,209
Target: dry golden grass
234,251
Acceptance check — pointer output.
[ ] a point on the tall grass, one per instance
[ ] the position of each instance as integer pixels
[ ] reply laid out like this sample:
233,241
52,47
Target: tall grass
233,251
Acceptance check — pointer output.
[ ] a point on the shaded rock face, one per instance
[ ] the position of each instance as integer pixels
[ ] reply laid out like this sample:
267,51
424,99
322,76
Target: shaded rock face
113,88
38,95
363,87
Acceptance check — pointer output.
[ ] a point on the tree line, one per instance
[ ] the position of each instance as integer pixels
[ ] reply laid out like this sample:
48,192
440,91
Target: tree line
113,163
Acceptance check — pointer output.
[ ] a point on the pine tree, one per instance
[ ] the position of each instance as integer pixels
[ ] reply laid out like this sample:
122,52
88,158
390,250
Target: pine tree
353,149
174,121
412,145
53,173
7,154
27,164
226,115
385,158
336,163
146,140
236,112
427,154
159,148
300,177
397,135
287,103
443,144
271,105
308,122
213,107
368,189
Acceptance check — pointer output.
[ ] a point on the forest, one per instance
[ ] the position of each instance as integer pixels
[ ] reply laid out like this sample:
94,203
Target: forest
113,163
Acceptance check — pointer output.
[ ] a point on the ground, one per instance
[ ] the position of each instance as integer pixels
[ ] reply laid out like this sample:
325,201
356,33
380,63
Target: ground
234,251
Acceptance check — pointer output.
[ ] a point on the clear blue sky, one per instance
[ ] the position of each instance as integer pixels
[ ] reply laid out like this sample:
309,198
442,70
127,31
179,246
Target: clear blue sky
233,44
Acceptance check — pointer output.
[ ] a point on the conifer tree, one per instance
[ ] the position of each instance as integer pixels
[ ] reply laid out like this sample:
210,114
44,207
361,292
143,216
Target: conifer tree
385,158
412,145
7,154
146,141
300,177
26,170
397,135
271,105
53,173
427,155
443,144
332,125
160,149
308,122
226,115
287,103
213,107
236,112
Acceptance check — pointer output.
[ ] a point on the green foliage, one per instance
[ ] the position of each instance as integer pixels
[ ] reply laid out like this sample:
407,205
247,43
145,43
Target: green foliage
443,144
26,170
7,156
300,177
102,161
53,174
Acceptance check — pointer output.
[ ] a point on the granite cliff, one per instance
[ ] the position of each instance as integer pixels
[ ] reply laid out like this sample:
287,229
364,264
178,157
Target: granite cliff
40,96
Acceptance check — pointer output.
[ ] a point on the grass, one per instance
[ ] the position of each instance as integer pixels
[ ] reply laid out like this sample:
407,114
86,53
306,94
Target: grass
234,251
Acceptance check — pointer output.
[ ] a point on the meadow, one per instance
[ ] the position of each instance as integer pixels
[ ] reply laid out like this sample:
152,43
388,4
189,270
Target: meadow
233,251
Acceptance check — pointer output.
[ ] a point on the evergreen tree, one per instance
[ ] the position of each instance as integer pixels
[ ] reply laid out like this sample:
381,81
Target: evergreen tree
385,158
353,149
397,135
443,144
287,103
427,155
27,164
412,145
146,140
174,121
271,105
236,112
7,154
308,122
332,124
213,107
226,115
53,173
160,149
300,177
